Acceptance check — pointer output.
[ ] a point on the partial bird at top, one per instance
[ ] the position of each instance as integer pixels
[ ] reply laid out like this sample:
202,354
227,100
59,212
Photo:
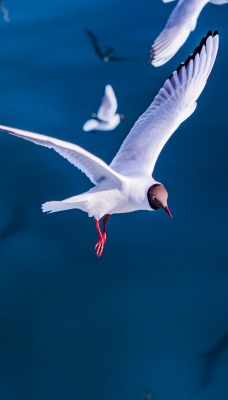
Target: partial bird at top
127,185
109,53
181,22
106,118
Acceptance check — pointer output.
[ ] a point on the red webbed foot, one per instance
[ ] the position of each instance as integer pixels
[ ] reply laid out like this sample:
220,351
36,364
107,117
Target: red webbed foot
99,247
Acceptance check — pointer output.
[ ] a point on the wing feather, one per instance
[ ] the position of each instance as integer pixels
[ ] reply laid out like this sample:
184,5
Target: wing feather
174,103
180,24
92,166
109,104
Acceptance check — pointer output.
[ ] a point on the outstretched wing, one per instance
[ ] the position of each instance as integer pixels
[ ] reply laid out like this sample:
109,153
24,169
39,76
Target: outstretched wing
94,42
109,104
92,166
175,102
181,22
90,125
219,2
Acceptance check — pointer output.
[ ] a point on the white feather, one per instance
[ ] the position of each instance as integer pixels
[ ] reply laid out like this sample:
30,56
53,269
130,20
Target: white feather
106,118
175,102
92,166
108,106
180,24
167,1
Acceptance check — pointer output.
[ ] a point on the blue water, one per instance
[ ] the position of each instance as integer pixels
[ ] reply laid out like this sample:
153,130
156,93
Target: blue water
73,326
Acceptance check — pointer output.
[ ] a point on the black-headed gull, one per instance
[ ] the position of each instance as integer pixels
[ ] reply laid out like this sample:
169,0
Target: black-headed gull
180,24
126,184
106,118
108,54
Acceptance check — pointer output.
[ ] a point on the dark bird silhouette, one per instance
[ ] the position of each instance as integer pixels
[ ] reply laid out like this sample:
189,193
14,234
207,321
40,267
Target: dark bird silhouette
109,53
17,223
147,395
211,359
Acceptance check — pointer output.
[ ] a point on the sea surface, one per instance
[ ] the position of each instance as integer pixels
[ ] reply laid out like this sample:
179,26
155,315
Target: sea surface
152,313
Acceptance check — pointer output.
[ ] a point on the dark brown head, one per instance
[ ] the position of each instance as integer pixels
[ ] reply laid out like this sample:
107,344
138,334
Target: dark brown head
157,197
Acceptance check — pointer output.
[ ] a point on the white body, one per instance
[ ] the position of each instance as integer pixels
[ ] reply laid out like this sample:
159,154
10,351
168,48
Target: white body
180,24
106,118
123,185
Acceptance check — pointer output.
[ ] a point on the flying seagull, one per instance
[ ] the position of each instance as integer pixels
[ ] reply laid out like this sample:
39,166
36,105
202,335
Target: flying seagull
106,118
181,22
108,54
126,185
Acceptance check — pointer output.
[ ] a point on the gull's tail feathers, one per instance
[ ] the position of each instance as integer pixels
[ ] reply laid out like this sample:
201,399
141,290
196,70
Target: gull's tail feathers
78,202
90,125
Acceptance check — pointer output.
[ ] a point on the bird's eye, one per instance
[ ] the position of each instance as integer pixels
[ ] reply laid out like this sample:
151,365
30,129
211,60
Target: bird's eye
154,198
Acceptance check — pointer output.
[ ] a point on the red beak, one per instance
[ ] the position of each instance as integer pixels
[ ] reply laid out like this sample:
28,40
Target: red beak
166,208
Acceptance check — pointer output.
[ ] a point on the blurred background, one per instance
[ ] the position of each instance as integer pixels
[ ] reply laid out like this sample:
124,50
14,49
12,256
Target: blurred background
149,318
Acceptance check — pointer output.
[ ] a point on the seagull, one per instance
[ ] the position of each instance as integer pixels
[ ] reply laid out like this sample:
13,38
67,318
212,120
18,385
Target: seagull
106,118
181,22
108,54
127,185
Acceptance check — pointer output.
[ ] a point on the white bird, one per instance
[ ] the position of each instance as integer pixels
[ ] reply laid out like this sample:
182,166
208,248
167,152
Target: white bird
127,184
180,24
106,118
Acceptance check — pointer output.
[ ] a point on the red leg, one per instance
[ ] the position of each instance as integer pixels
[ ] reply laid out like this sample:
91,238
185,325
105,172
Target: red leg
99,247
104,225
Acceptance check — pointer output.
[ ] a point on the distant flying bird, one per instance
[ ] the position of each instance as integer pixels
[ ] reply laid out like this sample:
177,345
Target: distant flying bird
126,184
147,395
17,222
106,118
181,22
211,359
108,54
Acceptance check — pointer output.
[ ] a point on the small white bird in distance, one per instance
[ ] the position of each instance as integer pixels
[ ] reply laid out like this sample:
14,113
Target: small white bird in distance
180,24
127,185
106,118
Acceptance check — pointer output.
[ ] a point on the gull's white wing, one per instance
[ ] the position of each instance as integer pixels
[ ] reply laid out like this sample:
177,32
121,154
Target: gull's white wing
219,2
175,102
92,166
181,22
109,104
90,125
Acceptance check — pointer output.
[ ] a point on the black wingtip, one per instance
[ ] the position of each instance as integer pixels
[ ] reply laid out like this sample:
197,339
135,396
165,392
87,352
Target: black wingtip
209,33
196,51
89,33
